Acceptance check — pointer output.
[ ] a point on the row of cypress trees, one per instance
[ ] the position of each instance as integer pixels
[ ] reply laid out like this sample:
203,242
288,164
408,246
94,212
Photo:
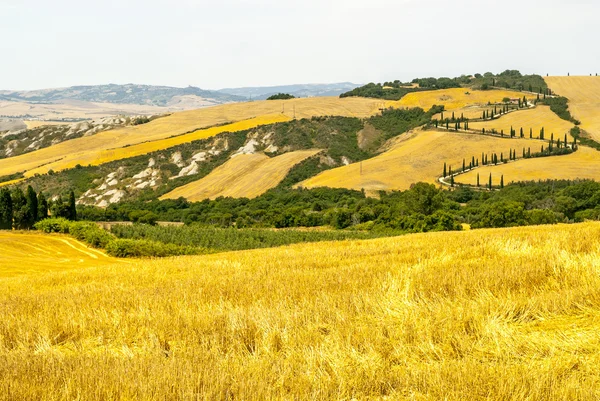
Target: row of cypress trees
21,210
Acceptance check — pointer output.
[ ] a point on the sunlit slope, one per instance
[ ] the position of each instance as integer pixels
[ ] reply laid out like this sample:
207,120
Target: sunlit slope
583,164
246,175
99,148
529,119
503,314
454,98
419,158
584,100
36,253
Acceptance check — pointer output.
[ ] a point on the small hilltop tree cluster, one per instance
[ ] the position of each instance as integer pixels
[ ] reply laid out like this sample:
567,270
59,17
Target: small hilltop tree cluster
21,210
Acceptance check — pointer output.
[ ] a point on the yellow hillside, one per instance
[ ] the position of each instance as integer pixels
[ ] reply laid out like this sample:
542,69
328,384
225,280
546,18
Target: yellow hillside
99,148
419,158
454,98
245,175
22,252
502,314
584,100
583,164
535,119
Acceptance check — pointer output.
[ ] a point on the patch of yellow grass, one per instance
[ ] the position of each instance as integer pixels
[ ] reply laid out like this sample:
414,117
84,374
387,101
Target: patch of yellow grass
454,98
99,148
583,164
245,175
27,253
534,119
584,100
503,314
421,157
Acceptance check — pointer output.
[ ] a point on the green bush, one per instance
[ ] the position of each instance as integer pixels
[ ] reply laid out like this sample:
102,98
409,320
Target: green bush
132,248
53,225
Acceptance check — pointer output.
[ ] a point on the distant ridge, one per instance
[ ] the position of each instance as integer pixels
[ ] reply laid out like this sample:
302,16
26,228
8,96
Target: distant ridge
298,90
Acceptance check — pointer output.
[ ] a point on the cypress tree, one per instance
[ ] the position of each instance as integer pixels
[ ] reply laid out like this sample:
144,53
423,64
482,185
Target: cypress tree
445,170
530,133
502,181
453,116
565,141
501,158
72,207
523,153
6,210
22,217
483,131
473,160
42,207
32,203
478,180
451,180
463,165
529,152
490,181
522,134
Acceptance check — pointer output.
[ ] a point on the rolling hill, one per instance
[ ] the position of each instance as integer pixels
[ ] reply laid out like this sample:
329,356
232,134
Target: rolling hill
584,100
415,158
105,146
243,176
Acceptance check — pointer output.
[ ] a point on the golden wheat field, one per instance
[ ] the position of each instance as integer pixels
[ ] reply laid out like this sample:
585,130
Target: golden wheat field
583,164
242,176
584,100
34,253
102,147
452,99
502,314
529,119
419,157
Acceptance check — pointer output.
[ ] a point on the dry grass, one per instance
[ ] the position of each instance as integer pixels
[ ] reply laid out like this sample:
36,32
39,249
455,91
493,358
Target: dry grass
584,100
98,148
246,175
111,145
419,158
28,253
583,164
453,99
534,119
504,315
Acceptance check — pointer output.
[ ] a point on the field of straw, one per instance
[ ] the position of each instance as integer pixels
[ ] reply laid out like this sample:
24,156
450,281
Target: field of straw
453,99
584,99
419,158
243,176
529,119
33,253
583,164
503,314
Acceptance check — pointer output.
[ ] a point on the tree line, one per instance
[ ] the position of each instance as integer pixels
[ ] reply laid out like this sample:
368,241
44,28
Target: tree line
20,210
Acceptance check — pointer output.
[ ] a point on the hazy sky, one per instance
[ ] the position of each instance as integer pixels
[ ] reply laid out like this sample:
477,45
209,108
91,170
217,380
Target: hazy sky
228,43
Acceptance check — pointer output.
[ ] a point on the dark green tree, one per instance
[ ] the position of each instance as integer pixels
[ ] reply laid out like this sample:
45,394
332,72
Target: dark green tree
42,207
22,216
72,206
32,202
6,210
445,172
502,181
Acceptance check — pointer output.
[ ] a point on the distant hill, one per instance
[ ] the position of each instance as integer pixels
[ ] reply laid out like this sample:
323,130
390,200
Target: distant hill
119,94
299,90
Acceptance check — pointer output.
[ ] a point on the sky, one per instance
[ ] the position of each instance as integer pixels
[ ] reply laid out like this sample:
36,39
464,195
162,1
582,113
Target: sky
233,43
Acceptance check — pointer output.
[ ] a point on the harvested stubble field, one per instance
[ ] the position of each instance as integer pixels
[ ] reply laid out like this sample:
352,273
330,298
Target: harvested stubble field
243,176
502,314
529,119
584,100
583,164
34,253
119,143
453,99
419,157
